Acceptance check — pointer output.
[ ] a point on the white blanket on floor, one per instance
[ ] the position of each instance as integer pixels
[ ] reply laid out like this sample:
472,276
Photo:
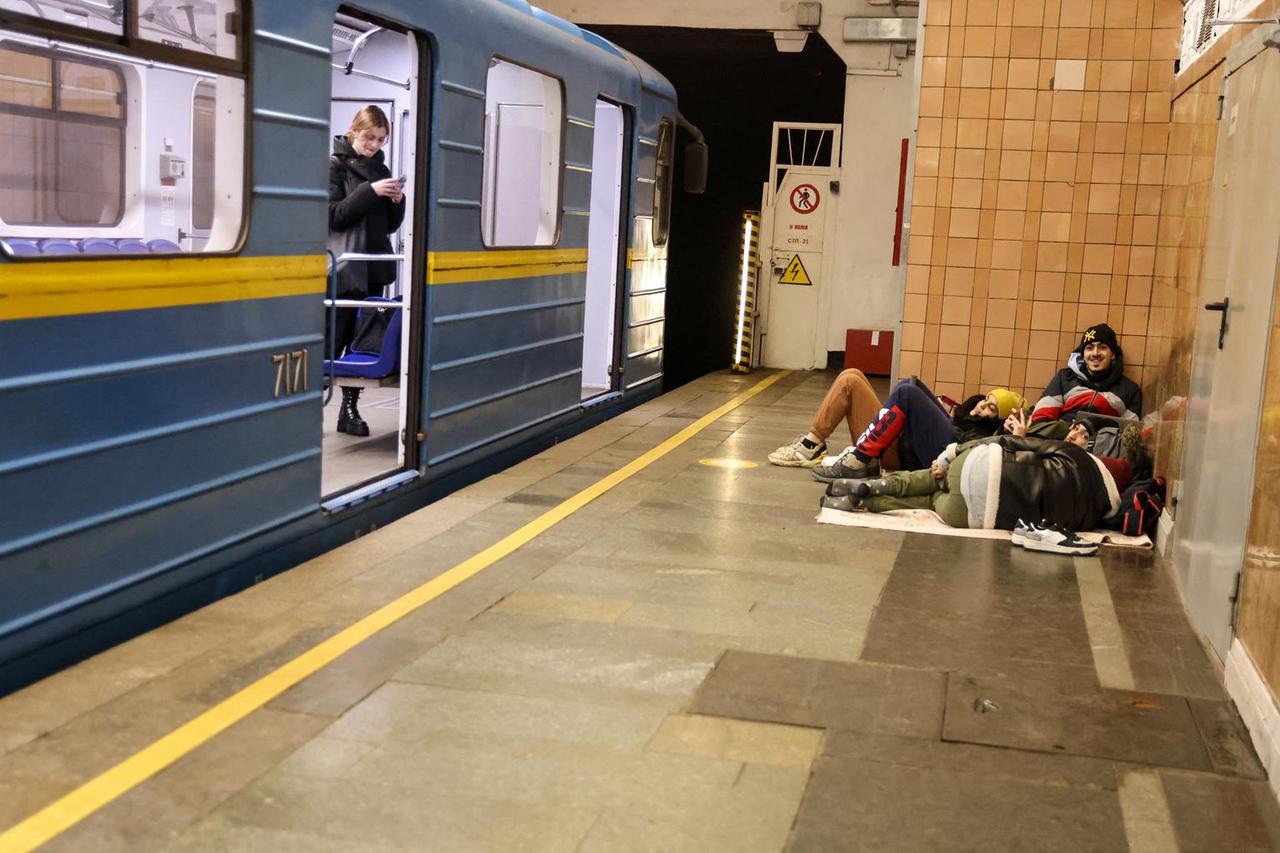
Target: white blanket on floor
928,521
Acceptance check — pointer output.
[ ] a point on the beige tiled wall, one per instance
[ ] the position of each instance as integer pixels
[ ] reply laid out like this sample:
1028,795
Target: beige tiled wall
1036,206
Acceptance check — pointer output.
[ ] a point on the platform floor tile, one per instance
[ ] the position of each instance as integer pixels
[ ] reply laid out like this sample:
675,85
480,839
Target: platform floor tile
688,662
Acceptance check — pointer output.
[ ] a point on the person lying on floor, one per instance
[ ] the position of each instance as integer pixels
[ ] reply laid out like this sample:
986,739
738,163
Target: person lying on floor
992,483
851,399
1092,382
915,423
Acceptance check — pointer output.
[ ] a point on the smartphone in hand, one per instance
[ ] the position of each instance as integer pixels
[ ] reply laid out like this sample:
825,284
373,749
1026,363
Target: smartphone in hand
403,179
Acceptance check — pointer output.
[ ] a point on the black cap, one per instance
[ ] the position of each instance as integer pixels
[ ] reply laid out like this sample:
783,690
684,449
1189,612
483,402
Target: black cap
1099,333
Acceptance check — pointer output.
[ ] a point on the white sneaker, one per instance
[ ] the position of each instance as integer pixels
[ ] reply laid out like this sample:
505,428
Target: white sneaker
796,455
1057,540
1022,530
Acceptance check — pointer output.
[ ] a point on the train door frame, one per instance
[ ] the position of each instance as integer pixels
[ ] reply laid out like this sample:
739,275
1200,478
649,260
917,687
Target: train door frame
413,372
617,321
622,308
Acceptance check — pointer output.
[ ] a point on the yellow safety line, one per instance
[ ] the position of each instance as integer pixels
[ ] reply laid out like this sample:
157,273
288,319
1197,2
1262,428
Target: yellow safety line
79,804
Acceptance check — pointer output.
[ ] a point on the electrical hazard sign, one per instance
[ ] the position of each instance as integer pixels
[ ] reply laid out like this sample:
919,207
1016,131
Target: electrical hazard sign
796,273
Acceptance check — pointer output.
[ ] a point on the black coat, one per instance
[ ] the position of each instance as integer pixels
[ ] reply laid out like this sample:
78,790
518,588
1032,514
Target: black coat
360,220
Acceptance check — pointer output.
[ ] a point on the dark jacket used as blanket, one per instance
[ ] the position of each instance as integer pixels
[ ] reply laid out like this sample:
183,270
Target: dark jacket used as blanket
1008,477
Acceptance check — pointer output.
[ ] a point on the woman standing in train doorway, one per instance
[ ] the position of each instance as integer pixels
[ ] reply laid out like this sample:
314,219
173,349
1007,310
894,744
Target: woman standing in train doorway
366,206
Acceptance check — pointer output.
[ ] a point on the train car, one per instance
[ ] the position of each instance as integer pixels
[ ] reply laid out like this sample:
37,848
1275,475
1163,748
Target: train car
167,277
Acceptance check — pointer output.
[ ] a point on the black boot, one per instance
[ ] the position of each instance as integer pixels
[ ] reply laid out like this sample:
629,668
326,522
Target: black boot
349,420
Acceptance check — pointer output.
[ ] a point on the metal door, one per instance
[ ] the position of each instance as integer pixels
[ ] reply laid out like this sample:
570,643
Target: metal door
793,226
605,251
1237,285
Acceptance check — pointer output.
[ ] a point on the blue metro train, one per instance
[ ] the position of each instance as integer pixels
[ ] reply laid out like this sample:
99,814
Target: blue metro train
169,435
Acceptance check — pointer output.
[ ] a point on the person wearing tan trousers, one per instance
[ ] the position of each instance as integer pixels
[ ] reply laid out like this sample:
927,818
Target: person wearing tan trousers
850,399
911,412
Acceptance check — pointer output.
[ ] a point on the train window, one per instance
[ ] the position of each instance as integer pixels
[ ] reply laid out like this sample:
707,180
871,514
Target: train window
99,17
521,198
207,27
663,174
114,143
62,126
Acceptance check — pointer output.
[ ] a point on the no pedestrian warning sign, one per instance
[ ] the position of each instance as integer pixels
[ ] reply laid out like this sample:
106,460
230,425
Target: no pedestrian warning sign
796,273
805,198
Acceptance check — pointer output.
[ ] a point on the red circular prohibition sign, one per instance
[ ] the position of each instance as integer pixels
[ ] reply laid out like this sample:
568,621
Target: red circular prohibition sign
805,198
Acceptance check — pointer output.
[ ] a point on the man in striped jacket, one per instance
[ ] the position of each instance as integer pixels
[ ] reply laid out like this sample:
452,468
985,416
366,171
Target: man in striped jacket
1092,381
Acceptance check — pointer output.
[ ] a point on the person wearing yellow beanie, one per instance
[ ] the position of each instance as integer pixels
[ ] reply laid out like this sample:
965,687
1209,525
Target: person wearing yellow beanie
1006,401
915,422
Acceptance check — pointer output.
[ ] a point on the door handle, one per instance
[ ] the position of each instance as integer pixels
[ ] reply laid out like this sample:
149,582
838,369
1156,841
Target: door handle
1223,306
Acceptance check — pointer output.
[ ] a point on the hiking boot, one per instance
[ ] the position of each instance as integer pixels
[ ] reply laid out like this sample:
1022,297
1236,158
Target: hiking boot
847,467
1057,540
797,455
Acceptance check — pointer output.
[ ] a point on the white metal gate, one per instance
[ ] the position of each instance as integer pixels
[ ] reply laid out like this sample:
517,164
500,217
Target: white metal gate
804,160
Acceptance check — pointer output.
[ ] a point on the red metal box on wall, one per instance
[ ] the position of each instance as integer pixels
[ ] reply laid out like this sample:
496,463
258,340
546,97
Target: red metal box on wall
871,351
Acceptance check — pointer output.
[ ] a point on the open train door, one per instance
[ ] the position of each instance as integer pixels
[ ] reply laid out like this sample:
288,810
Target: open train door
793,231
380,377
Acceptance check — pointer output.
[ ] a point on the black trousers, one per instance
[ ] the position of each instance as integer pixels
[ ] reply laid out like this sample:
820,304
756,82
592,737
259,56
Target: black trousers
345,325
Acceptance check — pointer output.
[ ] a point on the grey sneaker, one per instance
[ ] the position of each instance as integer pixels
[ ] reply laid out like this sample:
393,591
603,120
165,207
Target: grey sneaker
847,467
796,455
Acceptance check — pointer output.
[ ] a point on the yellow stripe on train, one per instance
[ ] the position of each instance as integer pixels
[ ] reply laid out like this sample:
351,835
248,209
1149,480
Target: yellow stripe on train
30,290
59,289
497,265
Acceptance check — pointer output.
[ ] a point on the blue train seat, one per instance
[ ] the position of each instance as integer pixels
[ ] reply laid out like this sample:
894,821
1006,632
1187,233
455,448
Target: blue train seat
16,246
58,246
98,246
132,246
163,246
373,365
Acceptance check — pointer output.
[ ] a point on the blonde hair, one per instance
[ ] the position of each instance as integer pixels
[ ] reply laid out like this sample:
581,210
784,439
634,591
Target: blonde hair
367,118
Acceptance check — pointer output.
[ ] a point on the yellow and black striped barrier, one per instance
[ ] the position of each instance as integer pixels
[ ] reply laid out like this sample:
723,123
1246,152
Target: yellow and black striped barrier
747,280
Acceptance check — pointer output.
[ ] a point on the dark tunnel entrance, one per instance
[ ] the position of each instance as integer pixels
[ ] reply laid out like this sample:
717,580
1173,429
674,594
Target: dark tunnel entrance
732,84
